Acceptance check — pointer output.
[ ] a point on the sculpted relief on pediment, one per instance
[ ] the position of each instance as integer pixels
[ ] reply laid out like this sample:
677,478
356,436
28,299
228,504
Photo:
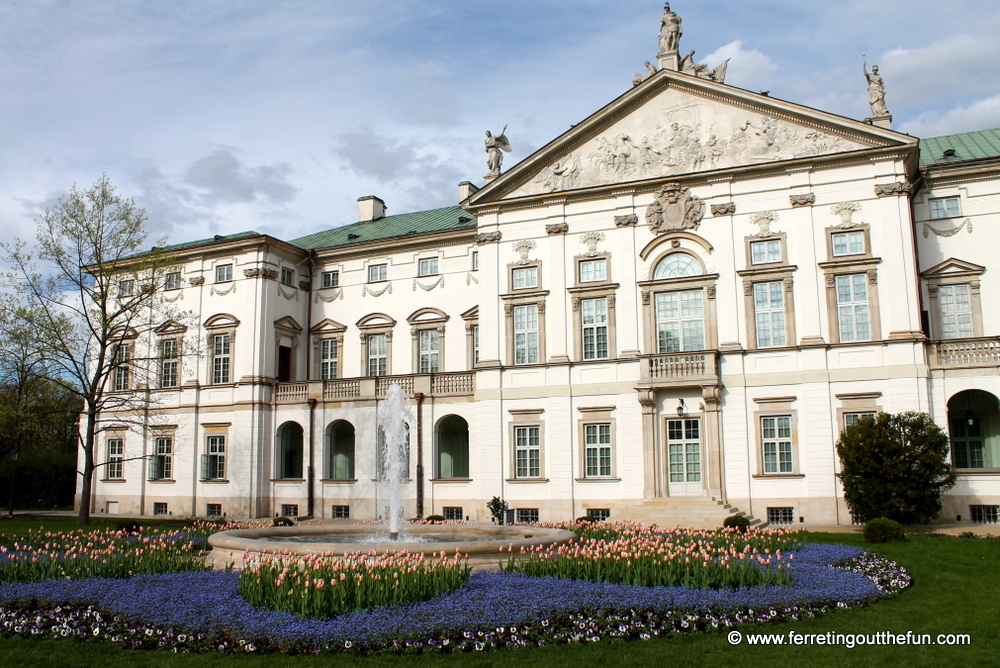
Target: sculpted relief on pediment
661,142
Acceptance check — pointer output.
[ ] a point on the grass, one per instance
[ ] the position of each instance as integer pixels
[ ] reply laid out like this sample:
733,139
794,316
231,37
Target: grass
956,590
20,525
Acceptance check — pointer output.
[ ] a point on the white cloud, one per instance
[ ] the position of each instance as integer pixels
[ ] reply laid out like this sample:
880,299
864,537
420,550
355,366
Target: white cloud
748,68
980,115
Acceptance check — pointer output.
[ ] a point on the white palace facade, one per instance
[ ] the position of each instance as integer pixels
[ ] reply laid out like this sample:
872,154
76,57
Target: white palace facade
667,313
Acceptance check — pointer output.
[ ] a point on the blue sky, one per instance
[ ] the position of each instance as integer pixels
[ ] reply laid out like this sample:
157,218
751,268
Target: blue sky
276,116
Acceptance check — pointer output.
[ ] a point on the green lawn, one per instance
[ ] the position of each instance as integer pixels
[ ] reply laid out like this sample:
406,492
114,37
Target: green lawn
22,524
956,590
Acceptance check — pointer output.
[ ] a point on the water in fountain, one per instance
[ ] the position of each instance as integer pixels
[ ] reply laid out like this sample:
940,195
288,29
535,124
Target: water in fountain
394,416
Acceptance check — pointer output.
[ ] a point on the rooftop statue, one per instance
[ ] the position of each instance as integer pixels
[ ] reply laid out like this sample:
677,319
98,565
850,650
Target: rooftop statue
670,30
494,157
876,89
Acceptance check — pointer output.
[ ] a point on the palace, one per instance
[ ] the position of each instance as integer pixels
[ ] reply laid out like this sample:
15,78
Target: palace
667,313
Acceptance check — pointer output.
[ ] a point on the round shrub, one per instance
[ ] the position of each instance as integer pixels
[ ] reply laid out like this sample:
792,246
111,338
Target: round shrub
884,530
740,522
283,522
434,519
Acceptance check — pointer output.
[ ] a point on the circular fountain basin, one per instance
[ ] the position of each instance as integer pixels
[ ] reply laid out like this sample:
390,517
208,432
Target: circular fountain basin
481,542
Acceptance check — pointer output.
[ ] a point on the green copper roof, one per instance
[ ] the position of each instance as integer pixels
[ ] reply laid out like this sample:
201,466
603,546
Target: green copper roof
968,146
217,239
402,225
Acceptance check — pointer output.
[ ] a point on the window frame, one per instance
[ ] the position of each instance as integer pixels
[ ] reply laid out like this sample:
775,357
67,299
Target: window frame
286,276
952,279
833,231
777,237
944,201
532,468
329,279
382,354
421,322
161,459
852,267
776,408
126,288
224,273
121,379
378,272
115,458
220,362
169,377
172,280
528,418
599,473
425,265
375,324
213,463
649,289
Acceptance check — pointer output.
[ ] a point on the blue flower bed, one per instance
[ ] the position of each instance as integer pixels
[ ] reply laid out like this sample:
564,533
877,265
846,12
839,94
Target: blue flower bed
203,611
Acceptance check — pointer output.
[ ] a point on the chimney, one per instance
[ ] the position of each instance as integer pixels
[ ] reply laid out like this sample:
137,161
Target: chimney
370,208
466,190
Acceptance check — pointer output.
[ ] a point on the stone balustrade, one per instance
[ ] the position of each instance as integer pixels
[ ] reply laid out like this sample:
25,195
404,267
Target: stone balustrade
368,388
965,353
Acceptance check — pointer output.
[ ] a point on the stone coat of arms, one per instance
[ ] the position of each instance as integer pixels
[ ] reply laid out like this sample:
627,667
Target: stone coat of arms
674,208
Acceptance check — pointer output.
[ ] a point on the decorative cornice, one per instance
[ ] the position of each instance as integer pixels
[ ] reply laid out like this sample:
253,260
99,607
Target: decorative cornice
897,188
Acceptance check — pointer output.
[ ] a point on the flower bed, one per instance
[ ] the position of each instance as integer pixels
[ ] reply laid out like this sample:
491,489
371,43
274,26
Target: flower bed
204,611
317,586
631,553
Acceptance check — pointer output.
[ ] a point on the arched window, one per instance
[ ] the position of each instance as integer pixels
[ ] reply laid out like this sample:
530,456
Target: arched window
340,451
453,447
677,264
289,462
974,428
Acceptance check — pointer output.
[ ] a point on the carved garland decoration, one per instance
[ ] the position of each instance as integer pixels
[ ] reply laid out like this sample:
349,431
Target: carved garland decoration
967,224
219,291
488,237
727,209
897,188
294,294
335,293
557,228
376,293
802,200
428,288
626,220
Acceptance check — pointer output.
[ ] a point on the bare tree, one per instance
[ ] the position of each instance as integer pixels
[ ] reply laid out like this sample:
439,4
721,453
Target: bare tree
90,287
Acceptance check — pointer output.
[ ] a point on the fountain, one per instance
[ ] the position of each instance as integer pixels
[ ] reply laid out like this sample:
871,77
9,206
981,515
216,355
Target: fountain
481,542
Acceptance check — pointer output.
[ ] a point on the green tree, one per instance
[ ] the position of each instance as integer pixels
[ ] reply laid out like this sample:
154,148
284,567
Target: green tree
88,290
895,466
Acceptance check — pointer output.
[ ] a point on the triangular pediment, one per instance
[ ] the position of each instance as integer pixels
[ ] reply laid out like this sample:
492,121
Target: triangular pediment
288,324
953,267
674,124
328,326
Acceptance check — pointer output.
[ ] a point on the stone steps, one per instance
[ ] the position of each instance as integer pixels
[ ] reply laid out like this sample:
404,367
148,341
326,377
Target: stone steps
701,512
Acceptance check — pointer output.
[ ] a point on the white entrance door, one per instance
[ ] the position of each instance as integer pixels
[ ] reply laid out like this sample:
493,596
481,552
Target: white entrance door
684,457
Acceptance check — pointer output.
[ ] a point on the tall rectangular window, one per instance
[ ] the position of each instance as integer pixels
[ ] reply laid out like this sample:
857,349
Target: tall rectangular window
945,207
955,307
769,313
527,452
168,362
680,321
475,344
213,462
429,342
220,358
172,280
594,316
526,334
126,288
223,273
852,308
593,270
475,260
328,359
377,272
116,453
123,373
597,449
776,435
765,252
848,243
378,353
428,266
161,462
525,278
331,279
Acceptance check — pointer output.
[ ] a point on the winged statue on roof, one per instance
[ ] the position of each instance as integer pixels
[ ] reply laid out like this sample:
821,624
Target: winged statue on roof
494,157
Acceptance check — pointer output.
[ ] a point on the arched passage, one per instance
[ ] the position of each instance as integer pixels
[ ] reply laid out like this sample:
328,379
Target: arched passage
452,447
340,451
289,451
974,428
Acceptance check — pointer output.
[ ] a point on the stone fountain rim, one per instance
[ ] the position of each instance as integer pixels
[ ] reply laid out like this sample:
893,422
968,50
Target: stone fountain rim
518,536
